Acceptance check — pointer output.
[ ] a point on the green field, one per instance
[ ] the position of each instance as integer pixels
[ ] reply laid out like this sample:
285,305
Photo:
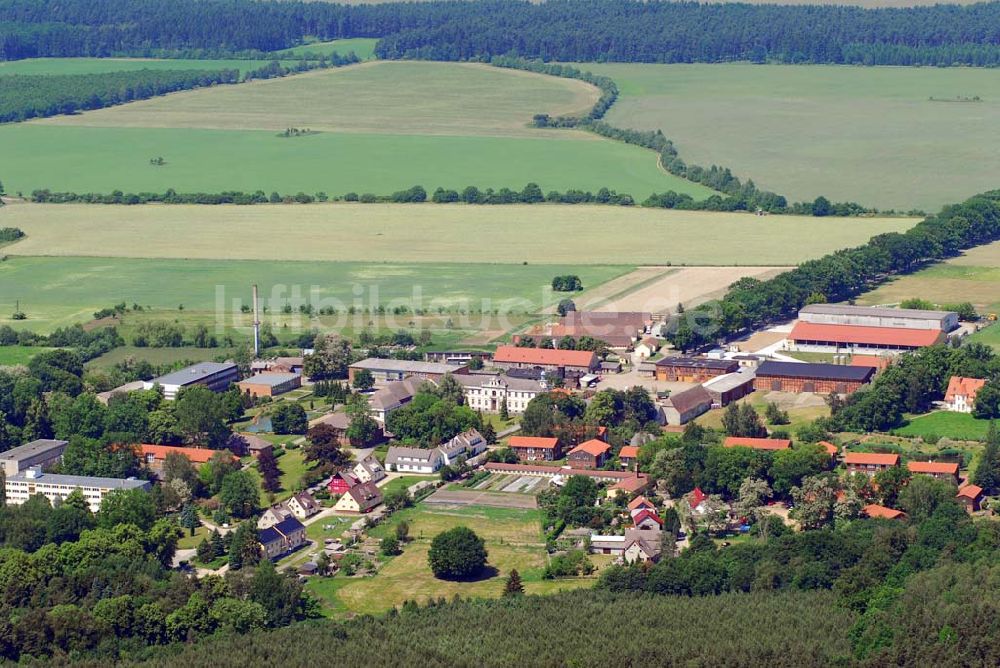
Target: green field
946,424
382,126
534,234
58,291
362,47
513,540
11,355
866,134
973,277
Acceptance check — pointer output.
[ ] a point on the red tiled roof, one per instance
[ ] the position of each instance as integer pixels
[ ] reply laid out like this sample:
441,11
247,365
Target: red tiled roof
195,455
865,458
757,443
961,385
639,501
875,510
885,336
633,484
950,468
533,442
829,447
643,514
628,451
969,492
697,496
592,447
544,356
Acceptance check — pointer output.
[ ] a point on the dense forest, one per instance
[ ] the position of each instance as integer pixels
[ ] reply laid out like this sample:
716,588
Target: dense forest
23,97
568,30
842,275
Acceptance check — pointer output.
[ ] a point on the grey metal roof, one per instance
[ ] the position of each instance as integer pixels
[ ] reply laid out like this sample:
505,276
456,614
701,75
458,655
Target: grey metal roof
81,481
194,373
696,362
512,382
272,379
405,366
419,454
846,309
729,381
815,371
33,448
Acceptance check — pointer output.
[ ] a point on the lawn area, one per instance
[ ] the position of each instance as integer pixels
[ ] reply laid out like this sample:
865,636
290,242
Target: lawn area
293,466
802,408
567,235
363,47
59,291
946,424
406,481
513,540
866,134
974,277
11,355
189,542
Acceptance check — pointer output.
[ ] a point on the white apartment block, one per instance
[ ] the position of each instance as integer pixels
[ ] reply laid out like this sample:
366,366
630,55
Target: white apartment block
21,487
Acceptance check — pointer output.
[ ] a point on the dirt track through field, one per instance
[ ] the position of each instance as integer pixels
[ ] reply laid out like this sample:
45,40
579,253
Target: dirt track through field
474,498
660,289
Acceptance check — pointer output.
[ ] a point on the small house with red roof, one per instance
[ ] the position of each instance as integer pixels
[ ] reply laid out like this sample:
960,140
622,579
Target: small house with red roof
869,463
940,470
341,482
590,454
971,498
696,499
830,448
628,456
630,485
640,502
155,456
646,519
961,393
535,448
757,443
874,510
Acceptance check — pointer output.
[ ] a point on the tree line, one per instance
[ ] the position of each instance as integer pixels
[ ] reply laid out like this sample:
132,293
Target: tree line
30,96
563,30
840,276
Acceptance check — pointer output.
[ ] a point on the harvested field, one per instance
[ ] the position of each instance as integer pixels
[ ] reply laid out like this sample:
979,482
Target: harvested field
477,498
533,234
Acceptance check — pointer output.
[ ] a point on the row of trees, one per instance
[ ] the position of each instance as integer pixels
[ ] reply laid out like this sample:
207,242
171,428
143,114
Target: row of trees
23,97
840,276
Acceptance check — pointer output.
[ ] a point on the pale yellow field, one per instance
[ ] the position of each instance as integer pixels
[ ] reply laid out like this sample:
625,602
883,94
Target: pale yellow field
537,234
383,97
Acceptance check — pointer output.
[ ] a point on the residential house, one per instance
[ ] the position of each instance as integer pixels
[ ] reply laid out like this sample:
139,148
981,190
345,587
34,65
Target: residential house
489,392
830,448
270,384
369,469
360,498
302,505
559,361
281,538
869,463
811,377
394,395
757,443
639,503
340,422
688,369
388,370
961,394
216,376
876,511
590,454
971,497
627,486
413,460
466,445
22,486
646,519
341,482
637,545
939,470
41,452
155,456
244,444
682,407
647,348
535,448
628,457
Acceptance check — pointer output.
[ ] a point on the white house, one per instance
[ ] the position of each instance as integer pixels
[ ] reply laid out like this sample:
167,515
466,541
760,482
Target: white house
369,470
487,393
468,444
961,394
359,499
647,348
413,460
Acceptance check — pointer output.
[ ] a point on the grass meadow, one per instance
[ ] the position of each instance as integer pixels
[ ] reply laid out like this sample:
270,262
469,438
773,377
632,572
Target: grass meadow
363,47
513,540
541,234
382,126
866,134
59,291
12,355
946,424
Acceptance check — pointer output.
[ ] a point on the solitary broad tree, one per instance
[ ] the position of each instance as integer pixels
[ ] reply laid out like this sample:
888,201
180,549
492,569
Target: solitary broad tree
457,554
